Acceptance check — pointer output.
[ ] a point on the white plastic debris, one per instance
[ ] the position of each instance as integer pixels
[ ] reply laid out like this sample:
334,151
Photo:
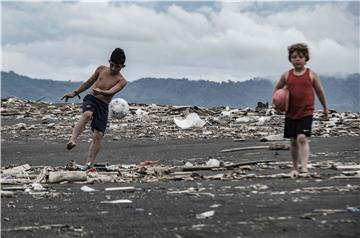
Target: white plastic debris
245,119
270,112
20,126
37,187
277,137
87,189
17,170
228,113
192,120
141,113
118,201
119,108
205,214
213,163
128,166
225,113
263,120
120,189
154,106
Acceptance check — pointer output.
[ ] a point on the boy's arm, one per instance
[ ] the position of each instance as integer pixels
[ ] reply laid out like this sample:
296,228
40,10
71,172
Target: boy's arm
120,85
320,94
85,85
281,83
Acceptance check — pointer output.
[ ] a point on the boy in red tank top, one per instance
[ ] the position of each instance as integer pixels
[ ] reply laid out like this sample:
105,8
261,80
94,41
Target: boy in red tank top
301,83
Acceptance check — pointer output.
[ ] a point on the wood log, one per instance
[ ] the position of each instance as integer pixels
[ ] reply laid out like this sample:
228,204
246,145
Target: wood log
71,176
245,148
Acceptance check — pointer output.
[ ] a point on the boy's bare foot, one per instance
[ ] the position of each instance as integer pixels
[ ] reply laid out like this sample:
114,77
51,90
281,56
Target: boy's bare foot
293,173
70,145
304,173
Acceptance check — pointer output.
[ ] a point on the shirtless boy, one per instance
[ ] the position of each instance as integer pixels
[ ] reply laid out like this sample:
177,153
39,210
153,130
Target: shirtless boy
105,83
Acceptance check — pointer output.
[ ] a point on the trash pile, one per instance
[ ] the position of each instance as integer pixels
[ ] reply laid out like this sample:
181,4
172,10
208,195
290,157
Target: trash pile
36,180
28,120
55,121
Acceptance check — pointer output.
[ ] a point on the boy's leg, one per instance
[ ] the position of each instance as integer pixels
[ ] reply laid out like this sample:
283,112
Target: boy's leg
94,146
294,148
303,144
78,128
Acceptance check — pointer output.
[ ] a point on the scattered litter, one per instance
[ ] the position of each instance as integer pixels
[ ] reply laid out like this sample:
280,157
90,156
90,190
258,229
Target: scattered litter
346,167
117,201
353,209
37,187
7,194
17,170
141,113
192,191
87,189
213,163
45,227
245,148
192,120
128,189
147,162
278,137
155,121
205,214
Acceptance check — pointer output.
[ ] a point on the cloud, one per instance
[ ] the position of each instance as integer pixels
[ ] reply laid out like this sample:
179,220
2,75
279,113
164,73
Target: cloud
221,41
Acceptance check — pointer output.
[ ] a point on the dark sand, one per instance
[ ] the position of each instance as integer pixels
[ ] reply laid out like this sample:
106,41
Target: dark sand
155,213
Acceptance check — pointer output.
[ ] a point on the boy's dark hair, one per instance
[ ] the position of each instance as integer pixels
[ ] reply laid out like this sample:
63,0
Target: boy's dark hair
118,56
300,48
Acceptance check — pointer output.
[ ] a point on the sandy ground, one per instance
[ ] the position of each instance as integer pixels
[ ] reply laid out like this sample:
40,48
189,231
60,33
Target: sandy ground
252,207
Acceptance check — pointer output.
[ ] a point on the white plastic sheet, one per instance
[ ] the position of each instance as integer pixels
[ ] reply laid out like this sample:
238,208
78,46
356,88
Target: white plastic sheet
192,120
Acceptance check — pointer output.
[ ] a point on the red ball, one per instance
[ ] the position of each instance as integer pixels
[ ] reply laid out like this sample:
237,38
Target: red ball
280,99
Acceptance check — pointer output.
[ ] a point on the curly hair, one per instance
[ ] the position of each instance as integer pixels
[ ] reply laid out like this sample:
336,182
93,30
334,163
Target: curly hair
118,56
300,48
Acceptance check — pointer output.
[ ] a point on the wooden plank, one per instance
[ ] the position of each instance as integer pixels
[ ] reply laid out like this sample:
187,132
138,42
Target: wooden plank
246,148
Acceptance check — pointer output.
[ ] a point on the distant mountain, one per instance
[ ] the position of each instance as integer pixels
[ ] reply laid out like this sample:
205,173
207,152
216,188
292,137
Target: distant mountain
342,93
14,85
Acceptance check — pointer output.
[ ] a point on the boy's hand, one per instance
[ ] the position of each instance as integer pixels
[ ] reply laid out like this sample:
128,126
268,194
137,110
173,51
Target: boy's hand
326,115
97,91
68,95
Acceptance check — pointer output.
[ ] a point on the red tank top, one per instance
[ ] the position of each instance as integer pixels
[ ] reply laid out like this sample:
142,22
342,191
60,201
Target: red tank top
301,95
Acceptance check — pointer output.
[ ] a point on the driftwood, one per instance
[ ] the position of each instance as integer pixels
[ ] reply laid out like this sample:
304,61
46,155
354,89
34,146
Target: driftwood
71,176
279,147
42,227
14,181
349,167
8,194
248,163
17,170
194,168
246,148
13,188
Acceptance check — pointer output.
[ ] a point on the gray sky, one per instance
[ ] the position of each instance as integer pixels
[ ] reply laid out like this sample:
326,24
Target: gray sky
216,41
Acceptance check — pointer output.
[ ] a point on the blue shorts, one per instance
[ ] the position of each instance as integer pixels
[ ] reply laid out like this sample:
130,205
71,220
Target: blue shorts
294,127
100,111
